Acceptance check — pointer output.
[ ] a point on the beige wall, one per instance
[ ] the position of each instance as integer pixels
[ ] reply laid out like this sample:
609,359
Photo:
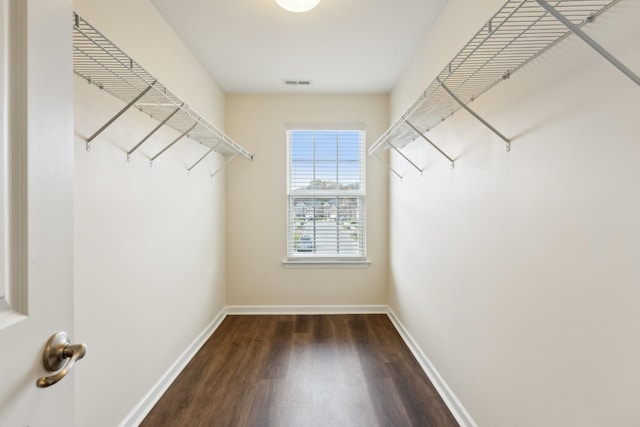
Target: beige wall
256,204
149,242
517,273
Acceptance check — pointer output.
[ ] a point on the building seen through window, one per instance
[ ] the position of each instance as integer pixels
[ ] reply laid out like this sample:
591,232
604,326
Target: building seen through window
326,193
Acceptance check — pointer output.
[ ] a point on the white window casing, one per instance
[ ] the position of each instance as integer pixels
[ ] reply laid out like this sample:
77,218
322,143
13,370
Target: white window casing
326,190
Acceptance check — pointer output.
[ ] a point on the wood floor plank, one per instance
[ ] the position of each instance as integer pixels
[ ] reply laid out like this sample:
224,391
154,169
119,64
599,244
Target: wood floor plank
302,370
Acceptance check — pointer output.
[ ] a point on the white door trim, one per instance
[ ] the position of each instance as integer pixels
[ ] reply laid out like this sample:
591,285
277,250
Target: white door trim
13,163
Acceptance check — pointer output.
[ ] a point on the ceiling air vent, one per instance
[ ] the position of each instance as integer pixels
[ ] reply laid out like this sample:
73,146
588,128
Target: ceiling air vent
288,82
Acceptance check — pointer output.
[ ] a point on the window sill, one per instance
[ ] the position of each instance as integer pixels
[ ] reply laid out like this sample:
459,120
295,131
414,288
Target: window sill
325,263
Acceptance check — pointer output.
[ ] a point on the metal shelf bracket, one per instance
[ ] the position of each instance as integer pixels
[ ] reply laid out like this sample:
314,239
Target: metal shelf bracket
172,143
430,142
406,158
118,114
229,160
162,123
591,42
474,114
200,159
387,165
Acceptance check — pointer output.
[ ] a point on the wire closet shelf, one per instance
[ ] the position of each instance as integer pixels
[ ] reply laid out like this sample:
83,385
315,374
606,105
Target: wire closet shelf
518,33
101,63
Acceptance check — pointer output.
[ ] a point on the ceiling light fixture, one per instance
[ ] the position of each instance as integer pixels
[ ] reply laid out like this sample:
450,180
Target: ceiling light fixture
298,6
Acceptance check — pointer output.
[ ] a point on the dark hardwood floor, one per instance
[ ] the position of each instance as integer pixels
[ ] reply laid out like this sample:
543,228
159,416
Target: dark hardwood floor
302,370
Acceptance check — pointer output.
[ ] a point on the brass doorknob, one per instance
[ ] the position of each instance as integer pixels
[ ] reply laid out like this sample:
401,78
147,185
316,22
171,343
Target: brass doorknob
60,355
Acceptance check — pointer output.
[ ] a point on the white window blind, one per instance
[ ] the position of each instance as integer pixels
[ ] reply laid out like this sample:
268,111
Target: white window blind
326,194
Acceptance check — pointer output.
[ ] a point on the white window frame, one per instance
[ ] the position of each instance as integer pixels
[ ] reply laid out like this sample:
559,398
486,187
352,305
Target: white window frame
295,258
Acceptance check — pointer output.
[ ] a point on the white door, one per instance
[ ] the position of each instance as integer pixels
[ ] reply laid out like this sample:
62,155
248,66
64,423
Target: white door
36,217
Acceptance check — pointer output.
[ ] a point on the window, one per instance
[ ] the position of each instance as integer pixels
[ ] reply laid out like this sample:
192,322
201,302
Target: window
326,194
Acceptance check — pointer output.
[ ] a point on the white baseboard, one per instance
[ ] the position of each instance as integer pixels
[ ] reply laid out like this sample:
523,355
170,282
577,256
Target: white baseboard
137,414
307,309
455,406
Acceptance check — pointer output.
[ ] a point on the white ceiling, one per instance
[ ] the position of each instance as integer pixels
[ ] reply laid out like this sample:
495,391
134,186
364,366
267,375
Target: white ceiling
343,46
